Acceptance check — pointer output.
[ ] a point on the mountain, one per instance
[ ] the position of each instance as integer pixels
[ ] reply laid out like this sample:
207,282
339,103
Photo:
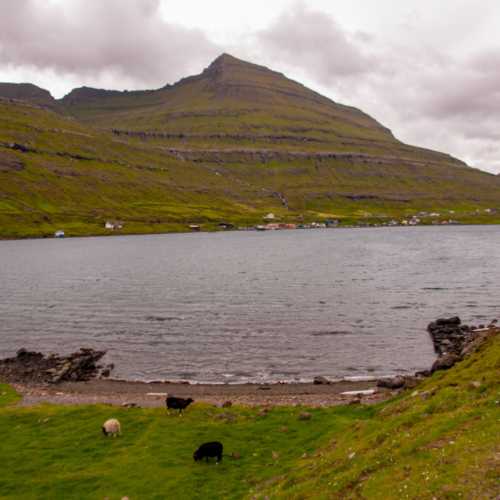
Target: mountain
230,144
29,93
233,103
230,96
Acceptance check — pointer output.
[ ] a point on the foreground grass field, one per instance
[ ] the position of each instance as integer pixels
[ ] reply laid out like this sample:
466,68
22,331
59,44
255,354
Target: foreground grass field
439,441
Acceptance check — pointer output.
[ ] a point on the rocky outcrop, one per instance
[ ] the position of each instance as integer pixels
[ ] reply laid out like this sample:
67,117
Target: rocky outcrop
24,148
259,155
452,341
36,368
448,335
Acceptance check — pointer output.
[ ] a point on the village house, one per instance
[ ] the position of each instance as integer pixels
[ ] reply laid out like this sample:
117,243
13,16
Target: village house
112,225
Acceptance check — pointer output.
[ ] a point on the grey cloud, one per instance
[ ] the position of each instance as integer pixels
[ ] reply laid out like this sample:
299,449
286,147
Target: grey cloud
470,90
306,38
127,38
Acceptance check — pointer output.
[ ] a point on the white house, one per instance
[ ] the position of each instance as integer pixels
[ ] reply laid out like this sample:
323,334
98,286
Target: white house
113,225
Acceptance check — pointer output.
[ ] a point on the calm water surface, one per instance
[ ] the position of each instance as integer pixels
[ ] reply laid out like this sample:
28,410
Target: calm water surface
249,306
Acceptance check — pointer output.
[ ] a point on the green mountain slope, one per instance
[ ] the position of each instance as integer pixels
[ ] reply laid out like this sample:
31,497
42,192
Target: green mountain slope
231,96
230,144
440,440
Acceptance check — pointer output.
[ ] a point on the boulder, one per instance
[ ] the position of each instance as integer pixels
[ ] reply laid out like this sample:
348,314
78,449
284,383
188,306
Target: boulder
411,382
448,335
445,362
321,381
391,383
454,321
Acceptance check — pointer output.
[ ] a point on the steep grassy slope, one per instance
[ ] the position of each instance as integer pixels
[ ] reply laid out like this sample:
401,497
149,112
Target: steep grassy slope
73,177
230,145
70,176
441,441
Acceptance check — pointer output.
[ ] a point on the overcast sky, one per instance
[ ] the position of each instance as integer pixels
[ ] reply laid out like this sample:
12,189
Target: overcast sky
427,69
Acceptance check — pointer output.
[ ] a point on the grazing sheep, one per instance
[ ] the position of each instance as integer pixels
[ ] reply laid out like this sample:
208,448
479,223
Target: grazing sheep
112,427
180,404
206,450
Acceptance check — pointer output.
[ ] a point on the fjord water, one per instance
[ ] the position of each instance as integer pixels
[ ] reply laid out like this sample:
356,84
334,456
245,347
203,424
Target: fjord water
249,306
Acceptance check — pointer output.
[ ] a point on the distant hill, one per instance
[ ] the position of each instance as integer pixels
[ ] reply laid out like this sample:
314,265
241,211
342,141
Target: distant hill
230,144
29,93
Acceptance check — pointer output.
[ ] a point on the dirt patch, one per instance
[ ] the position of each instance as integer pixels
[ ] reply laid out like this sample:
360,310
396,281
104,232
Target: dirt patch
10,163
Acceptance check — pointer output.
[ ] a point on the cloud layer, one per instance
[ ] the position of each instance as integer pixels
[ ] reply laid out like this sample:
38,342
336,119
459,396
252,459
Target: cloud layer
127,39
427,77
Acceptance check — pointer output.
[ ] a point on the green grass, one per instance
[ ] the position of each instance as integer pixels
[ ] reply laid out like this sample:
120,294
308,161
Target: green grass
61,453
8,395
440,440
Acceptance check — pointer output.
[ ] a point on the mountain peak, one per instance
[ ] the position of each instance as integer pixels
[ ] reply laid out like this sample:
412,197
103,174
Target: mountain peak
227,64
224,59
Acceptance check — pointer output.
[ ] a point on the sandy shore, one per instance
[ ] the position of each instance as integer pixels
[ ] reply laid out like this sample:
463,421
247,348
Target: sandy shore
118,392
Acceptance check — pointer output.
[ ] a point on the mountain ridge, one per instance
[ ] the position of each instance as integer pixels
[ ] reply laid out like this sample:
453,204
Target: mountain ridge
226,76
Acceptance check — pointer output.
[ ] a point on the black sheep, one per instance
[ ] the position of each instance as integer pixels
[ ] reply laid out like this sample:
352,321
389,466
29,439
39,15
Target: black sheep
207,450
180,404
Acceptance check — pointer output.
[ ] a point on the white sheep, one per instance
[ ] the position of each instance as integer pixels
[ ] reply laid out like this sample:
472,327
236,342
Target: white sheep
112,427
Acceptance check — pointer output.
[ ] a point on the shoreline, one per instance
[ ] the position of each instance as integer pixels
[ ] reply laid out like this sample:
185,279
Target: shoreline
152,394
133,233
77,379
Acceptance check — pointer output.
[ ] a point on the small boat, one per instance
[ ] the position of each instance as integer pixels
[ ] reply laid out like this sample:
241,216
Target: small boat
260,228
59,234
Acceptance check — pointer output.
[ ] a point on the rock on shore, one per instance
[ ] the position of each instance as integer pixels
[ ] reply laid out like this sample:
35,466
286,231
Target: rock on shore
449,335
452,342
34,367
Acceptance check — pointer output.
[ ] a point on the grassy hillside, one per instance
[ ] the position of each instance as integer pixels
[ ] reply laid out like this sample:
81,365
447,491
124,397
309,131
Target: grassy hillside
229,145
437,441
